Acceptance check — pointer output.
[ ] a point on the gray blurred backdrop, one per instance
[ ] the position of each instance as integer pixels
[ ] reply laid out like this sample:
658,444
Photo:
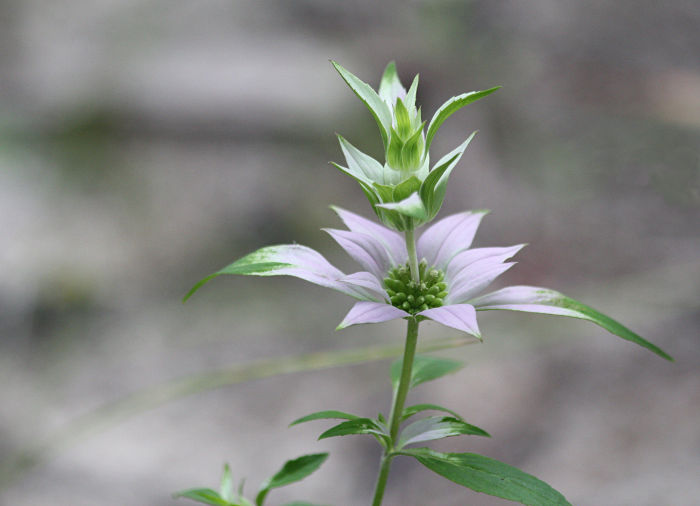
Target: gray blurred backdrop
145,144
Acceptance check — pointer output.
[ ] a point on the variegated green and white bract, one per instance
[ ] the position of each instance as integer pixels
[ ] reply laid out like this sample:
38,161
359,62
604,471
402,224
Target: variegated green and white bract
452,276
404,191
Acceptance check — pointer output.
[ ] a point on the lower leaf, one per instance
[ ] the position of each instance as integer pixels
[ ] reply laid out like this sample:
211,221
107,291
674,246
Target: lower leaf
204,496
292,471
489,476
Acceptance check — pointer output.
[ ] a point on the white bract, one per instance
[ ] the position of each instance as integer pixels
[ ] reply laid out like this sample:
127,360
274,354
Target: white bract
452,276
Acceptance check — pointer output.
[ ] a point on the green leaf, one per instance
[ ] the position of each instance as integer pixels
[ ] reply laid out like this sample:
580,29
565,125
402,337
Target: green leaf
411,206
390,87
353,427
412,410
325,415
433,189
226,488
437,427
425,368
449,107
380,111
360,426
203,495
533,299
489,476
292,471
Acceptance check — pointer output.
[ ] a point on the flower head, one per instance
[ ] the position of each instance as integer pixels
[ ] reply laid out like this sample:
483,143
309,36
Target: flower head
404,191
451,275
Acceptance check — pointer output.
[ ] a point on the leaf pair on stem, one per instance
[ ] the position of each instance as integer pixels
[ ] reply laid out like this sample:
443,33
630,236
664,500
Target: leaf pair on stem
292,471
470,470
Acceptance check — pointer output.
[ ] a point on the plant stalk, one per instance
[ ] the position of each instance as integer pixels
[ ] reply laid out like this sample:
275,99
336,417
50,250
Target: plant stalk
401,392
381,480
412,256
397,407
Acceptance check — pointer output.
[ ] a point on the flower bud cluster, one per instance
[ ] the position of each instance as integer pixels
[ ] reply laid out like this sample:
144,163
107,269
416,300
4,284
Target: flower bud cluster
404,191
414,297
406,148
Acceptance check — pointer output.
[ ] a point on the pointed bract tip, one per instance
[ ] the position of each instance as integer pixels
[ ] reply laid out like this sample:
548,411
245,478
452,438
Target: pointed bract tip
337,209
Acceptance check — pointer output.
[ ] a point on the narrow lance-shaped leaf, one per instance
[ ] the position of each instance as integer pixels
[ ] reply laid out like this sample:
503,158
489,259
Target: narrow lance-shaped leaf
412,410
534,299
437,427
380,111
325,415
449,107
204,496
425,368
292,471
489,476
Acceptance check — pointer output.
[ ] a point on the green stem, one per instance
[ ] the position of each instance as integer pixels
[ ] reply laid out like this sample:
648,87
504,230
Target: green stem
401,392
405,380
381,480
397,407
412,256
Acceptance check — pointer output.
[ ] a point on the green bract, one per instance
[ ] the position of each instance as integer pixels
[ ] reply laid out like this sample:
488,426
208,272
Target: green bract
404,191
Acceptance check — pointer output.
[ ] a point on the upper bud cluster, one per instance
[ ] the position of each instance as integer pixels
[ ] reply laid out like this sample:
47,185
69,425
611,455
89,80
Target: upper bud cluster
404,191
406,139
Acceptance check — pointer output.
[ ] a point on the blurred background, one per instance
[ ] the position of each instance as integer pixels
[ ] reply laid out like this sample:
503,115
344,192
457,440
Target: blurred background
145,144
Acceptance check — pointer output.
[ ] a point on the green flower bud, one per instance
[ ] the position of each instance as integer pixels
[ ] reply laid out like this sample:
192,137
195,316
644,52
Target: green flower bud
402,191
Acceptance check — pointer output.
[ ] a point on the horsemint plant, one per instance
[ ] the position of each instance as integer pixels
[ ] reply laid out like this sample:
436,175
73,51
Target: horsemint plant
437,276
